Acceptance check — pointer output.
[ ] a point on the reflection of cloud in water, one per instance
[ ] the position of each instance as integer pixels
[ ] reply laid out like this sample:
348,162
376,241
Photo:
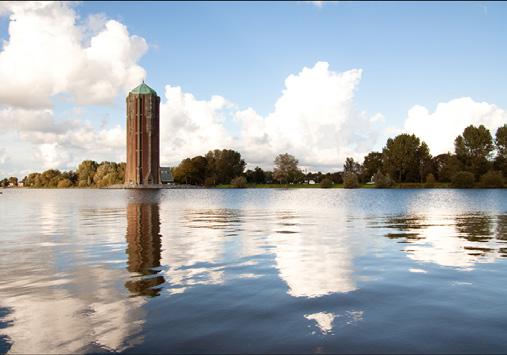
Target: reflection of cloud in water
313,260
194,246
453,241
59,320
55,305
324,320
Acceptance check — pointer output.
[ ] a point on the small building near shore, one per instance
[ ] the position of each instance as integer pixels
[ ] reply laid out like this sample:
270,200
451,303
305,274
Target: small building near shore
166,177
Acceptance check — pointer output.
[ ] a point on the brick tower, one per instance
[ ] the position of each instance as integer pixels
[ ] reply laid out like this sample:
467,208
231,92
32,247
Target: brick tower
143,137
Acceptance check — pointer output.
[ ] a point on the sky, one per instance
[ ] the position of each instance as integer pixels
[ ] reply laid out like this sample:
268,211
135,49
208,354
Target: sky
319,80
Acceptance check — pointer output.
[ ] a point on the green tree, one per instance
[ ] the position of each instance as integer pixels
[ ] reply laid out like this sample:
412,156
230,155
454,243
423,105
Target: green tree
352,166
50,178
239,182
371,164
492,179
223,165
381,180
326,183
501,141
501,148
473,148
463,179
32,180
13,181
350,180
286,169
445,166
86,171
108,173
192,171
405,158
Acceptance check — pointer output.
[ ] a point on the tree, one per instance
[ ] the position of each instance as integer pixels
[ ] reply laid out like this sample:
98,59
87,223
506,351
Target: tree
86,171
501,148
13,181
350,180
106,174
404,158
286,168
239,182
381,180
473,148
259,177
223,165
352,166
430,181
32,180
4,182
445,166
326,183
463,179
50,178
371,164
492,179
192,171
501,141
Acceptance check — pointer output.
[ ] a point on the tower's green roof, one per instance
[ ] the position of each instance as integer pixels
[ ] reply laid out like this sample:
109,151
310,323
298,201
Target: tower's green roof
143,89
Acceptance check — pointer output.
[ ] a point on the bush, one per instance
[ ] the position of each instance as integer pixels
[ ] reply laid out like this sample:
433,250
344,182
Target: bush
463,179
209,182
430,181
326,183
350,180
381,180
64,183
239,182
492,179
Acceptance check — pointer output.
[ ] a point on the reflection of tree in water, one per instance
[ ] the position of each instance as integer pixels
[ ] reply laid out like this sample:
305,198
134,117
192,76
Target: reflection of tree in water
457,241
475,228
501,227
143,249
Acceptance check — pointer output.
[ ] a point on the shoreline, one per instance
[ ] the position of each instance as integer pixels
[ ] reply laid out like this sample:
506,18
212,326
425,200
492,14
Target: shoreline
403,186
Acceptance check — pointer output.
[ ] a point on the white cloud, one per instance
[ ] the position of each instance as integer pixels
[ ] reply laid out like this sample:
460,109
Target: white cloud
62,144
50,52
47,54
3,156
190,127
439,128
314,119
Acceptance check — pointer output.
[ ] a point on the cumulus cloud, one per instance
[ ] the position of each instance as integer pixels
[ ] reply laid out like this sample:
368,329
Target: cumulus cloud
440,127
49,53
3,155
190,126
62,144
313,119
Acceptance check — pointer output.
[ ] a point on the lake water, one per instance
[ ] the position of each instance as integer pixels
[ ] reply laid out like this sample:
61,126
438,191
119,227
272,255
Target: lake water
253,271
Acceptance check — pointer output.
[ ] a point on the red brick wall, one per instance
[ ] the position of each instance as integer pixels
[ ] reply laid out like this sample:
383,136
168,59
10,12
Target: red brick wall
149,106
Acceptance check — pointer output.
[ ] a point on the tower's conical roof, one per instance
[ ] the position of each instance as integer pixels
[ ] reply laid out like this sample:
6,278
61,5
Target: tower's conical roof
143,89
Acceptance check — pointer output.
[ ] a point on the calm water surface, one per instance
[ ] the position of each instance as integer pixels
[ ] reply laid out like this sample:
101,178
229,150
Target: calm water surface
253,271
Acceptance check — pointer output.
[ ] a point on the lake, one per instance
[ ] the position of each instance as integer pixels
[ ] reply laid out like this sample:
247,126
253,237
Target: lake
253,271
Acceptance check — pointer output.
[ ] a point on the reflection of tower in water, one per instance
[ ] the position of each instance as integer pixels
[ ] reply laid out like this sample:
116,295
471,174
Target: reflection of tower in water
143,248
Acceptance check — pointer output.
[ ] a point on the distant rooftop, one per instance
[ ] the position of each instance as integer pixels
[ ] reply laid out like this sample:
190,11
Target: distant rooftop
143,89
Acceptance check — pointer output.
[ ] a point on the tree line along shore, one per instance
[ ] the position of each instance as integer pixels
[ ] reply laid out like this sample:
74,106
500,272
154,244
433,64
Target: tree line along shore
479,160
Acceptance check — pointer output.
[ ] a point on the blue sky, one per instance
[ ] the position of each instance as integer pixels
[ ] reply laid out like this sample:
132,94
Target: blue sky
411,54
